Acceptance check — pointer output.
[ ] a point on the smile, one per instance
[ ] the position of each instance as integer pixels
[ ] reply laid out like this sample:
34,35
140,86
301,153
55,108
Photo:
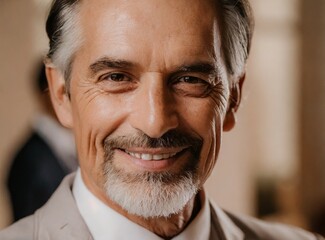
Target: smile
152,157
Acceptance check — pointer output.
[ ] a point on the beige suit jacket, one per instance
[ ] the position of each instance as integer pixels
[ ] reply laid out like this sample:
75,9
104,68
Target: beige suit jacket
59,219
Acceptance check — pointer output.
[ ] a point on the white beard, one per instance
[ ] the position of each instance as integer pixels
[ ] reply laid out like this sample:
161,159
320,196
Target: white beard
150,194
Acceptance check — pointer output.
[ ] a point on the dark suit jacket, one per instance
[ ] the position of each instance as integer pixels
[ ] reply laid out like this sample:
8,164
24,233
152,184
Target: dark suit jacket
34,175
60,219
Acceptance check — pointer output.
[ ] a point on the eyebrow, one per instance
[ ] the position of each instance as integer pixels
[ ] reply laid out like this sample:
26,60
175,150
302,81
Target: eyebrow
105,63
200,67
211,69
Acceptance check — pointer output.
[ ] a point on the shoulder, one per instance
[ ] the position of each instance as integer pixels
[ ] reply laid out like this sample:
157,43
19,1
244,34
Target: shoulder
270,231
59,218
21,230
33,226
236,226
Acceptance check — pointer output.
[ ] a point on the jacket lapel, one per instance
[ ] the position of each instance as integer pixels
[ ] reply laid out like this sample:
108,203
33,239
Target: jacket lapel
60,218
222,227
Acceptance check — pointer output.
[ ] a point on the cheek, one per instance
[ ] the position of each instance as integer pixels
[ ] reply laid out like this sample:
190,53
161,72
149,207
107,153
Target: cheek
210,150
95,117
207,121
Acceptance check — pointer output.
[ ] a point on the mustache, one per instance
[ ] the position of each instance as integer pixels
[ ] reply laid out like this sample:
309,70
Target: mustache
173,138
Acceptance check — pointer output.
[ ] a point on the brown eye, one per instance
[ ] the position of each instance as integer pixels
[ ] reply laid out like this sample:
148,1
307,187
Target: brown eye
117,82
117,77
191,86
192,80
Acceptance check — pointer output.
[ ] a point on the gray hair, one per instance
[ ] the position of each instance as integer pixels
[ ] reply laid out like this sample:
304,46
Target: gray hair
64,35
236,29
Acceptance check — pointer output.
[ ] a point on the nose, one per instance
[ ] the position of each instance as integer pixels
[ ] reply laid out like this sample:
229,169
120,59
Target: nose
154,109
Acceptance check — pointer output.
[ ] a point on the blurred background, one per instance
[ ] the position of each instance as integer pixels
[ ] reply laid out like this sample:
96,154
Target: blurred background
272,165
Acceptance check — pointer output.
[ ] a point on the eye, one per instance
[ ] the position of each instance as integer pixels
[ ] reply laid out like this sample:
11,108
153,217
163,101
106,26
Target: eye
190,79
115,77
117,82
191,86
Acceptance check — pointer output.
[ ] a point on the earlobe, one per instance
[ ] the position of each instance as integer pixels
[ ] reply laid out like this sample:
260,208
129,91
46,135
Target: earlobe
230,120
59,97
234,102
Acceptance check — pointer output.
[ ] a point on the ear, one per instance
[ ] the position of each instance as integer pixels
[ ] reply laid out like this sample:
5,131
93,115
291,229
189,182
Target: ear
234,102
59,96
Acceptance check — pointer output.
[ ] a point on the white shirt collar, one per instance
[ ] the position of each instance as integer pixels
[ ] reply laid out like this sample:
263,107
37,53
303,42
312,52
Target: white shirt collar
105,223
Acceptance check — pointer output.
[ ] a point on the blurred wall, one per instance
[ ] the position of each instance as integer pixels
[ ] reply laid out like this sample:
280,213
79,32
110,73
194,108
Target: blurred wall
273,97
312,110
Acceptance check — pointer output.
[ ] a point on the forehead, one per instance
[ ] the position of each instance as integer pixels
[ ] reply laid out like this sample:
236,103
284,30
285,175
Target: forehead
149,28
192,11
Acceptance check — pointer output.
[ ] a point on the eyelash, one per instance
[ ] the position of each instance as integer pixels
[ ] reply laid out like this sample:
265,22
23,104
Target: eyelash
191,79
111,75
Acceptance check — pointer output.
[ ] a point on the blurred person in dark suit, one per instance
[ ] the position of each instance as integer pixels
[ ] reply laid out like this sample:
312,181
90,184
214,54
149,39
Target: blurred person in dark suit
47,155
318,221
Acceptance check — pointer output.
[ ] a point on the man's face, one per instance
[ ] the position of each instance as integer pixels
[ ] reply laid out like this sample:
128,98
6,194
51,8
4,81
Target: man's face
149,96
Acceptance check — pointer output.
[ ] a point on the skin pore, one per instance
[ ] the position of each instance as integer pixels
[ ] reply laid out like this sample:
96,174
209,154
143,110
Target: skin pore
153,67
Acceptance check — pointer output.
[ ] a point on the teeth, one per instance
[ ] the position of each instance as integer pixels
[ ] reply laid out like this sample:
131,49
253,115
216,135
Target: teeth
146,156
158,157
149,157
